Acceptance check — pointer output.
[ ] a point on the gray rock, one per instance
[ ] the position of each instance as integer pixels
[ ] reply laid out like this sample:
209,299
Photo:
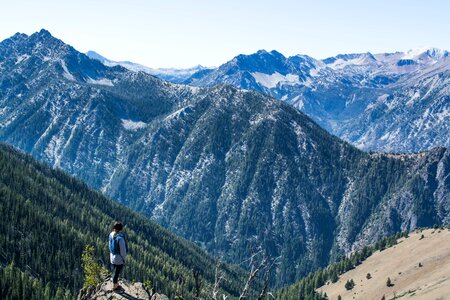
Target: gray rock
159,297
133,291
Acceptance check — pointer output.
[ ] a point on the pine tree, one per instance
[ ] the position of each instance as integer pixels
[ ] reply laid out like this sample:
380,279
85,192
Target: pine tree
389,282
48,292
94,273
348,285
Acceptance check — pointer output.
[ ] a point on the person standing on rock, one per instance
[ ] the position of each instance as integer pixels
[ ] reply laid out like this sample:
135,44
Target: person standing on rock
117,252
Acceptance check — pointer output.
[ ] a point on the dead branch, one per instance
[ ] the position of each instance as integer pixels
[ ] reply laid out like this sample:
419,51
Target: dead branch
253,272
219,276
268,266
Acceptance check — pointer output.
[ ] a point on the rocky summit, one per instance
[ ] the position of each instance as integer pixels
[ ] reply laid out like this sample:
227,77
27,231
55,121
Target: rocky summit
233,170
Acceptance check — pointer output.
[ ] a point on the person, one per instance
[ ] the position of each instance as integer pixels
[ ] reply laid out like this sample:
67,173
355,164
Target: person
117,252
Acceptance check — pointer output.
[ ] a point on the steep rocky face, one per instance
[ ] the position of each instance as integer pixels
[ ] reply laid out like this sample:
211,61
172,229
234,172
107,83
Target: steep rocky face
73,111
229,169
390,102
413,115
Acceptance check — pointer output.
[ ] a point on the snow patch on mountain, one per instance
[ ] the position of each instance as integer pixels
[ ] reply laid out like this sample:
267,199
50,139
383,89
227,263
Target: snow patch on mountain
66,73
133,125
102,81
22,58
177,114
360,60
272,80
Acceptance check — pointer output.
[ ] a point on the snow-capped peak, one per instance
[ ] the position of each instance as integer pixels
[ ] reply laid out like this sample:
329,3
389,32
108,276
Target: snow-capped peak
425,52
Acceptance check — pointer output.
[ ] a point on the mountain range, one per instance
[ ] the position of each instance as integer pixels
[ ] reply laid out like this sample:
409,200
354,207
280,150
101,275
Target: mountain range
395,102
171,74
232,170
391,102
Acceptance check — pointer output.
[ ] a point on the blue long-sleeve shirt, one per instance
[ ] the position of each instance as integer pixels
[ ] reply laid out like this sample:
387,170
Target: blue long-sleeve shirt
118,259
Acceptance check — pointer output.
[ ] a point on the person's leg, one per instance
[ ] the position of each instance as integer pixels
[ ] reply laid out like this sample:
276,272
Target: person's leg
116,272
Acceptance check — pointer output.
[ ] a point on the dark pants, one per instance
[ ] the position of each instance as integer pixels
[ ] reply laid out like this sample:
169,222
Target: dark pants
116,271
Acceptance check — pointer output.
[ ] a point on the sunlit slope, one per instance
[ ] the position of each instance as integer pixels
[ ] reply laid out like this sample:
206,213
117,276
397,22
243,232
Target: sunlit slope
400,263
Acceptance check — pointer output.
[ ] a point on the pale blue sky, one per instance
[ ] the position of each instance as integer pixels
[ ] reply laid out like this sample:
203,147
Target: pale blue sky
175,33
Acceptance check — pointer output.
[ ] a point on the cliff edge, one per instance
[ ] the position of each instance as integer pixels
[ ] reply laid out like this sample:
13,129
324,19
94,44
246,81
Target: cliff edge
131,291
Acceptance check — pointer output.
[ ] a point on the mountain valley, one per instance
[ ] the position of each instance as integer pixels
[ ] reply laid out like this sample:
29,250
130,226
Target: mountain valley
232,170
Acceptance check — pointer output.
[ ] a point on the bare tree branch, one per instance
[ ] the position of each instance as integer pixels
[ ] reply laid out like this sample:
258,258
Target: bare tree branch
219,276
253,272
268,266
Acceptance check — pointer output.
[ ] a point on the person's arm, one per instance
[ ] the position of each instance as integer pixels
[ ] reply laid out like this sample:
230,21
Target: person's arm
123,251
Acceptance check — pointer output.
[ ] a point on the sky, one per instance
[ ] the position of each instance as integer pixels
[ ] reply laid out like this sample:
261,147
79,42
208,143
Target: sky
176,33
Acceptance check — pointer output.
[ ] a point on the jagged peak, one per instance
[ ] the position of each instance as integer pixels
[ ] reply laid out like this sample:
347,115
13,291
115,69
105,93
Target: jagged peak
276,53
45,39
19,35
262,51
16,38
44,33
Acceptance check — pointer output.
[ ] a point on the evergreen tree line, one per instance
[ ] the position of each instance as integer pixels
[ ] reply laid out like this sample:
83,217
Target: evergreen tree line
48,218
15,284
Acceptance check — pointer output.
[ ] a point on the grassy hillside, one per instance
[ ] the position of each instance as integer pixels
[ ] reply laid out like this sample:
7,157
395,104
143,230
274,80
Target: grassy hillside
47,220
418,267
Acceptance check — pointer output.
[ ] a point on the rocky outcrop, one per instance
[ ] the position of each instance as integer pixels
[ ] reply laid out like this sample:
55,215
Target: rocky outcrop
134,291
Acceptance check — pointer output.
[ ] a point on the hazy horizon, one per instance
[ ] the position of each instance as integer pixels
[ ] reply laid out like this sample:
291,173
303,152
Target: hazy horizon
175,34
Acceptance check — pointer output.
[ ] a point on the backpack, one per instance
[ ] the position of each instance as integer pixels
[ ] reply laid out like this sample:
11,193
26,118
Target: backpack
114,247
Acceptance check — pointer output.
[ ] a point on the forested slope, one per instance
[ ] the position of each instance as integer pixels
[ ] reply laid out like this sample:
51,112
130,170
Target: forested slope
49,217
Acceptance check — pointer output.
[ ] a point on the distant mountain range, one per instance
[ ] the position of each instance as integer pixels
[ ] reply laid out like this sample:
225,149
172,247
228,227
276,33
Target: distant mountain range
385,102
230,169
393,102
170,74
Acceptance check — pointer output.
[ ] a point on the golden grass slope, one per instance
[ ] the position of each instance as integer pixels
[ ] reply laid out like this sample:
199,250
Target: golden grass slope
400,263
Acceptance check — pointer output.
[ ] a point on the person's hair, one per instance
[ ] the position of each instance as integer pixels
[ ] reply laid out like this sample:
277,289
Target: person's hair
117,226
